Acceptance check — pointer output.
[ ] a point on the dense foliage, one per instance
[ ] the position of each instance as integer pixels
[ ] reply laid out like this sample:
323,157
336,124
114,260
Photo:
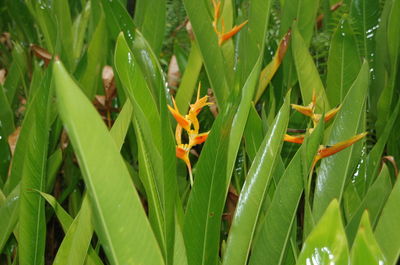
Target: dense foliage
284,112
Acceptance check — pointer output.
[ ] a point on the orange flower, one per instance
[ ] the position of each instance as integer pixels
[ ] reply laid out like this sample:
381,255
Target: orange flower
222,35
309,111
190,124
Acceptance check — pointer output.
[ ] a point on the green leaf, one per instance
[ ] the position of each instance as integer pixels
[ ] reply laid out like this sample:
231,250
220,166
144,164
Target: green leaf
9,211
374,156
365,249
16,72
6,115
307,72
202,224
254,189
32,221
386,99
150,19
74,247
189,79
387,232
96,54
344,62
158,175
44,16
304,13
119,20
117,227
121,124
62,17
253,133
373,201
24,21
199,16
365,14
335,170
53,164
273,237
252,39
326,246
79,28
66,220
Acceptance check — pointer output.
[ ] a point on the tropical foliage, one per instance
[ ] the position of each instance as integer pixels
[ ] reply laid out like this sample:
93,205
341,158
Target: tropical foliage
199,132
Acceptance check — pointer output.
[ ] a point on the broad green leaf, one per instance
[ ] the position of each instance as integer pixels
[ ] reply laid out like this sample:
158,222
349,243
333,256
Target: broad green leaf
253,133
387,232
16,72
117,227
273,237
304,13
119,20
150,19
269,71
6,115
24,21
66,220
374,156
365,249
9,211
365,14
180,257
62,17
74,247
96,53
44,15
335,170
121,124
386,99
380,58
202,223
32,221
253,192
373,201
239,121
344,62
327,243
252,39
307,72
189,79
199,13
147,124
53,164
18,159
79,28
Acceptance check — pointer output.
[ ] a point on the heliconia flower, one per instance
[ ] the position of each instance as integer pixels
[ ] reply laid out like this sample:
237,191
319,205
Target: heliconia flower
222,35
331,150
190,124
199,139
297,139
226,36
185,123
309,111
305,110
182,152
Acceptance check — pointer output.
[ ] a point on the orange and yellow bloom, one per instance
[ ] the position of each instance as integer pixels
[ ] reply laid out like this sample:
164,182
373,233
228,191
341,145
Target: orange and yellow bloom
324,151
191,125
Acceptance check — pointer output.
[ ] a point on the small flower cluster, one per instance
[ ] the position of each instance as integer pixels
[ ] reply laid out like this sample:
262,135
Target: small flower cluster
190,124
324,151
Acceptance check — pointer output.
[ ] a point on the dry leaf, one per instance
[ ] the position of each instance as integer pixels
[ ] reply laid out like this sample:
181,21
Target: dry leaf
3,73
173,73
13,139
